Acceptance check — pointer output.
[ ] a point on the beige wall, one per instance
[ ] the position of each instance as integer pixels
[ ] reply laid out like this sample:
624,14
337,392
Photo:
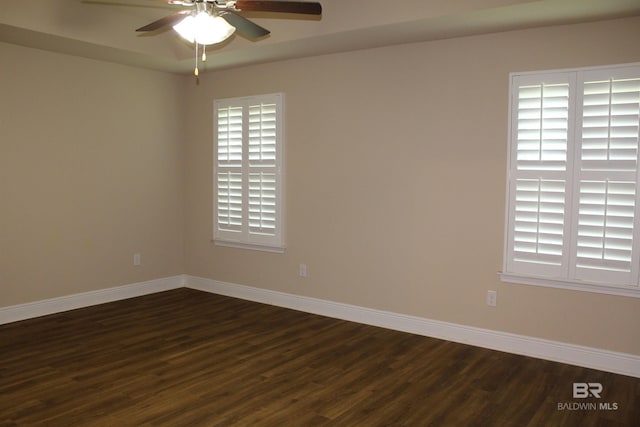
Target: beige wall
91,172
395,181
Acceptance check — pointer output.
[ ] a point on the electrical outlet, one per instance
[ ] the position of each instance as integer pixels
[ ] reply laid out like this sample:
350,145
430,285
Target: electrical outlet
302,270
492,298
137,259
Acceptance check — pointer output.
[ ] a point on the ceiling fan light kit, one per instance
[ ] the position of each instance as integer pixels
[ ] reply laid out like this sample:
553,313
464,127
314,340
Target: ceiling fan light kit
214,21
204,29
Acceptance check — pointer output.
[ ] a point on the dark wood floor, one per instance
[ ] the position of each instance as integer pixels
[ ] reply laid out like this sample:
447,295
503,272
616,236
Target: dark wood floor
188,358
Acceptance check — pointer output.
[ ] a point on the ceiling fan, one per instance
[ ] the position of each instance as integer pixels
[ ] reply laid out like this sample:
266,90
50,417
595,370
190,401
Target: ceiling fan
207,22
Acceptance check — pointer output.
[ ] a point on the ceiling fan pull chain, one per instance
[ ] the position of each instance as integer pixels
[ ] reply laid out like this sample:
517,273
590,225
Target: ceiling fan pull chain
195,72
204,53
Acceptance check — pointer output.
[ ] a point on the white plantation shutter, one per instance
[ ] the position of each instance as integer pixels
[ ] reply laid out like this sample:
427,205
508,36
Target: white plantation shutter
229,212
263,165
262,203
605,228
543,126
262,134
573,177
248,171
539,174
607,176
229,168
539,221
610,123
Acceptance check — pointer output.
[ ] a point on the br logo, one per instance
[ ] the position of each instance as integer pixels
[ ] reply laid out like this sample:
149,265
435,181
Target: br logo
584,390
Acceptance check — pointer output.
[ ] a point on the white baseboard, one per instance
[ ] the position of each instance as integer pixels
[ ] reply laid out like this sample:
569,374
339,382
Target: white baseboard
70,302
604,360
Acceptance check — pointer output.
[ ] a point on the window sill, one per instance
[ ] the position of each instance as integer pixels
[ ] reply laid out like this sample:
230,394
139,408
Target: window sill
237,245
575,285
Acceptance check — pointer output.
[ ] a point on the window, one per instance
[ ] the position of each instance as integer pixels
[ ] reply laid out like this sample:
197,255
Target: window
572,199
248,160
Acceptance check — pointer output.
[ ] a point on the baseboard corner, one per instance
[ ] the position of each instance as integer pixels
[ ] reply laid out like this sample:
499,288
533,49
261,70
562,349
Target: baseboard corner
30,310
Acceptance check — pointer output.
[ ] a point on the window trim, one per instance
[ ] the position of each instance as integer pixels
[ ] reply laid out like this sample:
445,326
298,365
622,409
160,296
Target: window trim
239,245
505,275
574,285
224,238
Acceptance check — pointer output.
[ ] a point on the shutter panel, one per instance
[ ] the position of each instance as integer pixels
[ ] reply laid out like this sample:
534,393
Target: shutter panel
539,221
229,169
538,192
262,135
262,203
230,136
542,126
610,125
262,168
606,231
229,212
605,225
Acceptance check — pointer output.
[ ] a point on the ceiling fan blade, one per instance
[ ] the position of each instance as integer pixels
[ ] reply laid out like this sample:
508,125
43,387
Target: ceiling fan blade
244,26
172,19
309,8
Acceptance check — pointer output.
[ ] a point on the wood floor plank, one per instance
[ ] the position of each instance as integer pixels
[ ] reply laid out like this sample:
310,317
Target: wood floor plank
190,358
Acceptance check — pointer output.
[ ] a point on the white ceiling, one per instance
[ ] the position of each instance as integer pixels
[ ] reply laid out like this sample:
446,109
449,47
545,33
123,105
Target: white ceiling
104,29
